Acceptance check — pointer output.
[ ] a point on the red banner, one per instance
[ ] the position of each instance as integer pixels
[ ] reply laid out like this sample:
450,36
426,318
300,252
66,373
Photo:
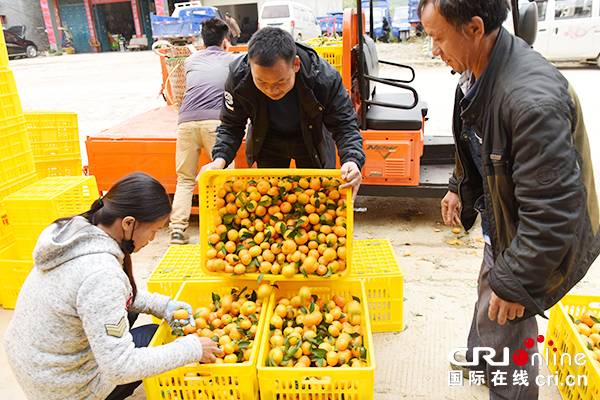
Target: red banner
160,7
48,22
136,18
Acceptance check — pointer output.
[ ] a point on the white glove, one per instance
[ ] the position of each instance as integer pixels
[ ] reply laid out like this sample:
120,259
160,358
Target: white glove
173,306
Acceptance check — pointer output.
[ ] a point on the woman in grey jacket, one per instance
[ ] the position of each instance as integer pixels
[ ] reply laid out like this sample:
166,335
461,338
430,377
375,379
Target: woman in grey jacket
70,336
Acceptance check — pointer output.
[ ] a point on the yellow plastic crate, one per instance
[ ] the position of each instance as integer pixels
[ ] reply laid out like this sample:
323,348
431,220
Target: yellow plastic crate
333,52
339,383
13,271
211,181
206,381
375,263
32,209
564,337
333,55
16,158
178,265
10,104
3,52
6,232
53,135
57,167
17,184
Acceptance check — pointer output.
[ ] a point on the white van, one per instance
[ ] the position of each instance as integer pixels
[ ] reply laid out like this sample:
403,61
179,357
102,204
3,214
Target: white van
568,30
290,16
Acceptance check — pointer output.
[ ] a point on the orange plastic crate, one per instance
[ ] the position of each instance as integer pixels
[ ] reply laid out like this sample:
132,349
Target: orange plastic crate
32,209
13,271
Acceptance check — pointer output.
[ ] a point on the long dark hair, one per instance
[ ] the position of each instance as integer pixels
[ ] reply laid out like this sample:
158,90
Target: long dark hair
137,195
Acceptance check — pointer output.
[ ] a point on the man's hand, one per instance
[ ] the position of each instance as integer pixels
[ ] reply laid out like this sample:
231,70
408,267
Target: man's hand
504,309
219,163
351,174
451,209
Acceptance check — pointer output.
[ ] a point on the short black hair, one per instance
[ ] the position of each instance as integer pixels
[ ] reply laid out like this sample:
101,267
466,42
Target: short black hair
267,45
459,12
214,31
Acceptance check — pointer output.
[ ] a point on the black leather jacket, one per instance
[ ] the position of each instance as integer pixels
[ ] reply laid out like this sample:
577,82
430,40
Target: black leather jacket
324,103
538,184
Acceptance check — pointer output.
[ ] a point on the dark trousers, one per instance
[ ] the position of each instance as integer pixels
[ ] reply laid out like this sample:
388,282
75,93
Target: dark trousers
487,333
234,40
142,336
278,153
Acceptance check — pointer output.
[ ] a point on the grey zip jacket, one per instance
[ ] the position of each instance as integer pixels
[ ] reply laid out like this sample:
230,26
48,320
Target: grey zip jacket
69,336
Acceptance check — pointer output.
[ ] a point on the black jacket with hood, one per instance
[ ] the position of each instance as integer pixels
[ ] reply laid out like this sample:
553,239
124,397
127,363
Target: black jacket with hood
324,107
538,183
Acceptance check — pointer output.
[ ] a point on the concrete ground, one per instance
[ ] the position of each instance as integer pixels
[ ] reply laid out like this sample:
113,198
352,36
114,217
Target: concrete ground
439,279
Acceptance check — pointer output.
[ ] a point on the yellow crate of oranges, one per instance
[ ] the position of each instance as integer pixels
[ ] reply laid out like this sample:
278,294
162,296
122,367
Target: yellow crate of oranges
317,343
275,224
233,315
574,329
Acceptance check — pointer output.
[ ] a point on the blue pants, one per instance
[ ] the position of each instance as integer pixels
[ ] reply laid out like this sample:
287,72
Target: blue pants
487,333
141,337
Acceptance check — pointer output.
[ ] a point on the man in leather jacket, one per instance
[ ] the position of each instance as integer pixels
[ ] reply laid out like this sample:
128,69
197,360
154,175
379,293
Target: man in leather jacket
523,162
297,106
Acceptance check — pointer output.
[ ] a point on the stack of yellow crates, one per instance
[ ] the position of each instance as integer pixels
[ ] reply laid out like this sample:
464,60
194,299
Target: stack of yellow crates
27,205
17,169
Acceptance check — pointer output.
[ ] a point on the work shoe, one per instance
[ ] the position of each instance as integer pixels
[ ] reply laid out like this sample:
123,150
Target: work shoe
467,369
179,236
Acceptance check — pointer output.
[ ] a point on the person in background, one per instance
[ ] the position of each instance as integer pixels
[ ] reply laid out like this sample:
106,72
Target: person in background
233,28
70,336
205,74
385,36
296,101
523,163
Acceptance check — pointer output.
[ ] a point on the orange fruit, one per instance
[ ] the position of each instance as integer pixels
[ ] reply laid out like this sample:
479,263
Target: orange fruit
329,254
288,271
276,355
584,329
181,314
586,318
315,184
289,246
332,358
321,270
303,183
214,238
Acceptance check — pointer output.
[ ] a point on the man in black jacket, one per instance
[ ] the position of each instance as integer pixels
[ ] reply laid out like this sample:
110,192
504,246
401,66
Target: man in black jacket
523,162
297,106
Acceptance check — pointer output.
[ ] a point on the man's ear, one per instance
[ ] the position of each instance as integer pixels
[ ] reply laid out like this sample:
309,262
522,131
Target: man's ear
475,29
297,64
225,45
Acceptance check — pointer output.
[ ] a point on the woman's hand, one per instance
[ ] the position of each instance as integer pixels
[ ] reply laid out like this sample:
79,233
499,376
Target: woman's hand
172,307
209,349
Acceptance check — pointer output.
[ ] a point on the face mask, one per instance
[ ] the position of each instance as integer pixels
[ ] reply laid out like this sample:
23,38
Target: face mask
127,245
